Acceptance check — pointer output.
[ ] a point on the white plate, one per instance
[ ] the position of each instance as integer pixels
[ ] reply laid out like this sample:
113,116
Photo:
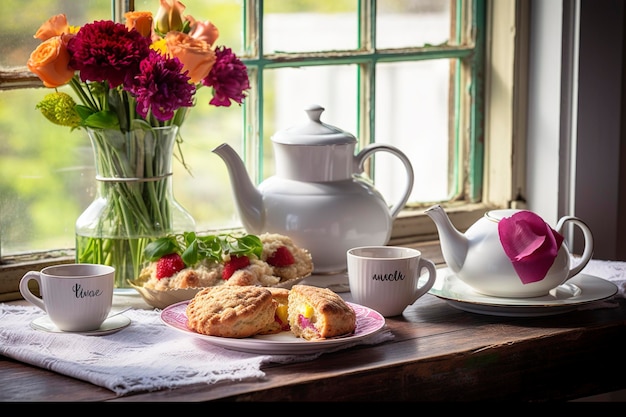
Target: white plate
110,325
579,290
368,322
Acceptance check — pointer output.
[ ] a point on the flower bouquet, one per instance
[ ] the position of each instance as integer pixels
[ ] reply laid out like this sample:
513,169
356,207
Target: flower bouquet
134,84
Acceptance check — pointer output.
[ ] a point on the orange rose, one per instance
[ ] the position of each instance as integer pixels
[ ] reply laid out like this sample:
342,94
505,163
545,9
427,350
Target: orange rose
205,31
196,55
170,16
141,21
50,62
55,26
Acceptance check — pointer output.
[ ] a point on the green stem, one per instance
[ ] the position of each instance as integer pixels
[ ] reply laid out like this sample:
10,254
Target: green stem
137,211
86,99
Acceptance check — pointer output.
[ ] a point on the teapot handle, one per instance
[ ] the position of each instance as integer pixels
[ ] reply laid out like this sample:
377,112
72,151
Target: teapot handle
375,147
588,251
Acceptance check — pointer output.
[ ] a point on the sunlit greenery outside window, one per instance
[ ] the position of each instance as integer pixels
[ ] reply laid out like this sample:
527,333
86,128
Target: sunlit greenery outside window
405,73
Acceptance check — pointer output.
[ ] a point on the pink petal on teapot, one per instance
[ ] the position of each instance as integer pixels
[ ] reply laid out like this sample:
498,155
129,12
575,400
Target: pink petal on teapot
530,243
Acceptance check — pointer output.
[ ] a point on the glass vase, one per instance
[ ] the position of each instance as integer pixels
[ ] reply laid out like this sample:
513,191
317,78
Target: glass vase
134,202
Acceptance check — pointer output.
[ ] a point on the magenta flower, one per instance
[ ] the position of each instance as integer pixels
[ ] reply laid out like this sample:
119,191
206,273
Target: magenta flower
107,51
228,77
160,87
119,78
530,243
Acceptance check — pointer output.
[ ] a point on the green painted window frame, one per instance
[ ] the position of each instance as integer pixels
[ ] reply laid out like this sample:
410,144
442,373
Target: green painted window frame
483,189
470,63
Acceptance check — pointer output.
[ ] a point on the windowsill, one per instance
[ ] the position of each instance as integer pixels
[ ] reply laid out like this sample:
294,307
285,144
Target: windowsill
411,228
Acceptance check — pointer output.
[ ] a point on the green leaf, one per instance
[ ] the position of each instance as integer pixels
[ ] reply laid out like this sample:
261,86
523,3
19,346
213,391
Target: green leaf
161,247
212,248
102,120
83,111
189,237
190,255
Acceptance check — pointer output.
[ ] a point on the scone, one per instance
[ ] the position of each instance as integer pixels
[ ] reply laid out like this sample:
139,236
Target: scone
273,260
318,313
231,311
281,321
203,275
256,273
287,260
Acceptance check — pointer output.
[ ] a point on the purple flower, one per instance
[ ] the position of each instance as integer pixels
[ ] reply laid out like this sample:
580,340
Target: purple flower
228,77
530,243
160,87
107,51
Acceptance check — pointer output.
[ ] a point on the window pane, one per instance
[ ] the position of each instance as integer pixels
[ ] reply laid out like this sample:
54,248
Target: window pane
310,25
332,87
412,102
402,24
47,175
16,33
39,175
206,191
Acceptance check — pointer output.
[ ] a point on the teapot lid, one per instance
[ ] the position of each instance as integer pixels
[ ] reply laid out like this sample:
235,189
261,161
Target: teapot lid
499,214
313,131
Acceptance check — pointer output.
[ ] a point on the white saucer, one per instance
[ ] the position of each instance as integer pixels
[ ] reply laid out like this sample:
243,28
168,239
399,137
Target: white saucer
336,282
110,325
579,290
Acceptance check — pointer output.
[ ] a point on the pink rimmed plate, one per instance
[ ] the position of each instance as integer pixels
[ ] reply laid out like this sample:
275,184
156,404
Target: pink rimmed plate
368,323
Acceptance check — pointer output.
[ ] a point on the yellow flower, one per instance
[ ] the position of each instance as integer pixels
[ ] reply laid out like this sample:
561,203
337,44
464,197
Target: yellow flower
59,108
160,46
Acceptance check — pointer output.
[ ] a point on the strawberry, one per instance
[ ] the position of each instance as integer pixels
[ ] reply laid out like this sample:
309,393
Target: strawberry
281,257
235,263
168,265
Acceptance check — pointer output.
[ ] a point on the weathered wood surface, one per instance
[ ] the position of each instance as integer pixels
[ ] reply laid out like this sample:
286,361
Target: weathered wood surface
439,354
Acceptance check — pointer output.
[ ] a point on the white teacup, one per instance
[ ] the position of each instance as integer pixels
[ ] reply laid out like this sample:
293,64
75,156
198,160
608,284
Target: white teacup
387,278
77,297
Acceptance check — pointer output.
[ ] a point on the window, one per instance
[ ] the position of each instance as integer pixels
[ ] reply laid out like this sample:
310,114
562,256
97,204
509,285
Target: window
406,73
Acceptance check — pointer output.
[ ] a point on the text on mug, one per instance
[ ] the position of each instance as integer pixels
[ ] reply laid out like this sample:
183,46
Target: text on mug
80,293
394,276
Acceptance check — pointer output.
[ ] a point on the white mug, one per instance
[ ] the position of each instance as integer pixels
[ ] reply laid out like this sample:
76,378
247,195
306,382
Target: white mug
387,278
77,297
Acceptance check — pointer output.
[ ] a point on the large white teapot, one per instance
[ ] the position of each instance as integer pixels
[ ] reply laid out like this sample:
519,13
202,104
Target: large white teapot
480,259
318,196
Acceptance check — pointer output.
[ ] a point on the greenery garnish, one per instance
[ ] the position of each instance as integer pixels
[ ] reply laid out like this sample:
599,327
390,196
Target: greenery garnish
193,248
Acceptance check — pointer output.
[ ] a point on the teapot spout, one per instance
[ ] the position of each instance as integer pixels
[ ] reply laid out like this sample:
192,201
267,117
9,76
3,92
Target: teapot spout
248,198
454,244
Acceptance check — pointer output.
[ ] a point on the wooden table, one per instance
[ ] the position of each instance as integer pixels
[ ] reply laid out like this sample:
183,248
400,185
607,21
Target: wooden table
439,354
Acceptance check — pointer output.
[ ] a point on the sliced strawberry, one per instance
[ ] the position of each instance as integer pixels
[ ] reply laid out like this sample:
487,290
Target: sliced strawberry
235,263
169,265
281,257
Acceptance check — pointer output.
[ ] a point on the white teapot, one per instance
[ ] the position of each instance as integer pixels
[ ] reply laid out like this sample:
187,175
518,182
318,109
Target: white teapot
318,196
478,256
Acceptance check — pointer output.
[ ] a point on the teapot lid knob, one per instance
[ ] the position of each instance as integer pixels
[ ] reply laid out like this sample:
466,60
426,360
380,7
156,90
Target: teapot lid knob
314,112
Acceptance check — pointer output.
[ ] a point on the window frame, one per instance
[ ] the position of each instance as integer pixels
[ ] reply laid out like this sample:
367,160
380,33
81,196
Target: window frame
505,86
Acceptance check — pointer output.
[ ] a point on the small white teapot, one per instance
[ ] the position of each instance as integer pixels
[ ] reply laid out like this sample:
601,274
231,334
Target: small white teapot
480,259
318,196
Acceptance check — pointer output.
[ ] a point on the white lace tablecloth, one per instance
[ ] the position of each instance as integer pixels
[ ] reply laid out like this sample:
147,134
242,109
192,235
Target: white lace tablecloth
614,271
145,356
